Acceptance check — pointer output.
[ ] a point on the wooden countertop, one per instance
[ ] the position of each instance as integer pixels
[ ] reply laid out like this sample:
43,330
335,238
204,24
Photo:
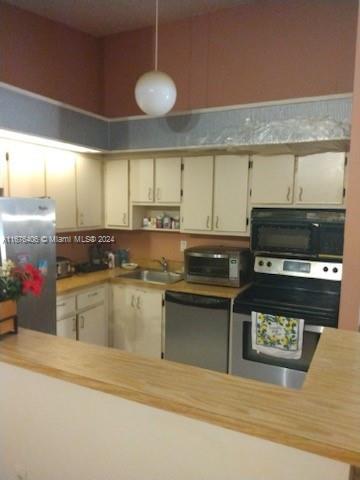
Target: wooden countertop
323,417
118,275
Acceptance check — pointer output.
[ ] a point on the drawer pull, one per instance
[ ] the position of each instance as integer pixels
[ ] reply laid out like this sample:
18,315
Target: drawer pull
138,303
74,325
61,304
133,301
150,193
217,222
124,218
158,193
82,321
94,294
208,221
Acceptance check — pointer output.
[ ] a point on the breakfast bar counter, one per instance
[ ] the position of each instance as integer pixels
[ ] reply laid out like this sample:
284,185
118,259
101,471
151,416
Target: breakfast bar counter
323,417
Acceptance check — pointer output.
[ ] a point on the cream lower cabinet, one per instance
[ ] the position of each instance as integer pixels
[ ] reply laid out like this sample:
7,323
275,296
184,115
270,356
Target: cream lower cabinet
61,186
137,320
84,316
215,194
66,327
92,326
89,190
116,190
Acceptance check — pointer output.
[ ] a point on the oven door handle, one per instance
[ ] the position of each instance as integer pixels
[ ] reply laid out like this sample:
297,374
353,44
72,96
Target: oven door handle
313,328
308,328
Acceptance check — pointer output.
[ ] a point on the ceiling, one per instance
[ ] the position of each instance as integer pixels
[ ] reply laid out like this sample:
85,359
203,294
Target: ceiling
104,17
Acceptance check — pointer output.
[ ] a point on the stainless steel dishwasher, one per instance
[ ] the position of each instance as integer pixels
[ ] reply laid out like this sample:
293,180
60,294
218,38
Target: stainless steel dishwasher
197,330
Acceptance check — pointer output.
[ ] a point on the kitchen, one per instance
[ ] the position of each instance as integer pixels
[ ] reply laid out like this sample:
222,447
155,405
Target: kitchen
153,244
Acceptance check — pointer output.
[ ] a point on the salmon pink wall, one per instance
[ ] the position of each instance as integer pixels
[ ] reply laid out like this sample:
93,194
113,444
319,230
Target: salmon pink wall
50,59
350,293
268,50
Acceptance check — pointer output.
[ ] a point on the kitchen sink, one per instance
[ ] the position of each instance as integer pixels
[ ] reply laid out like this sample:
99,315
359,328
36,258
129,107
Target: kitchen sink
154,276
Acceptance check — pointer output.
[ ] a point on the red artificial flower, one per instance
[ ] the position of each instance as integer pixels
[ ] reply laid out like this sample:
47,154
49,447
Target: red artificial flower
32,280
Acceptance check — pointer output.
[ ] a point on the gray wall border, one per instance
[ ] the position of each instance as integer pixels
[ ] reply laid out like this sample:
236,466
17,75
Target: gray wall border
307,120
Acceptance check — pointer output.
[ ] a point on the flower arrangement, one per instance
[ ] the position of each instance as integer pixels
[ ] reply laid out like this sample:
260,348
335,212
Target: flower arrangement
16,281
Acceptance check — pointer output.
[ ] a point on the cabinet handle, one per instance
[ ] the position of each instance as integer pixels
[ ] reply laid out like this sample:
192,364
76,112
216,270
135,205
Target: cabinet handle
138,303
301,194
94,294
133,301
61,304
74,325
150,193
288,194
208,221
82,321
217,222
124,218
158,196
81,218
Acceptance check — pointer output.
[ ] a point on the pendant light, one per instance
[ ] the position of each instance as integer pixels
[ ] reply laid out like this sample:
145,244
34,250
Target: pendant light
155,91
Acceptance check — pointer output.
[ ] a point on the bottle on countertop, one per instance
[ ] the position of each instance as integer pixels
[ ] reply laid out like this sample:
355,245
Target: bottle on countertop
111,260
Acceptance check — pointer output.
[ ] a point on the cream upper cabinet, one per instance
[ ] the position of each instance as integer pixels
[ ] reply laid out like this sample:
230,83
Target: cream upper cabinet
137,320
26,170
89,190
60,185
320,179
142,180
116,190
230,193
272,179
196,207
168,180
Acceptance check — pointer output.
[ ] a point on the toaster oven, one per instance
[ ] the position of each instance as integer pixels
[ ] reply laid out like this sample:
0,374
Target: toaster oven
228,266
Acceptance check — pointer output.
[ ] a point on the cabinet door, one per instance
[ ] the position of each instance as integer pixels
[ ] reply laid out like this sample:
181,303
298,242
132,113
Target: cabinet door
26,170
230,193
142,180
93,326
89,190
320,179
196,207
66,327
124,317
116,187
272,179
168,180
4,152
60,185
148,323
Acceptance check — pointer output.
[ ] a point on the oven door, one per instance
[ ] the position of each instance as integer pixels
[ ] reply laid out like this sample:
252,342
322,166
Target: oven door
301,239
246,362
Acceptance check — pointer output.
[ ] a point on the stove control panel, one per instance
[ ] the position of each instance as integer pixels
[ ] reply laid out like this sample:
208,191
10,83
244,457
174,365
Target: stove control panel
299,268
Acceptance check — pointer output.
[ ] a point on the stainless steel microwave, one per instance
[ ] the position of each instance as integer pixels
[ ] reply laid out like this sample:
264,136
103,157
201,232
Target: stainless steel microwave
228,266
307,233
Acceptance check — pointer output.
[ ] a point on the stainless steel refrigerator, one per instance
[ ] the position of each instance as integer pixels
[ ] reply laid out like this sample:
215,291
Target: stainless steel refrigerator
27,235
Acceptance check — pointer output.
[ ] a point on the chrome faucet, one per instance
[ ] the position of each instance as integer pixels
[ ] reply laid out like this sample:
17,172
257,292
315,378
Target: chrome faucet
164,263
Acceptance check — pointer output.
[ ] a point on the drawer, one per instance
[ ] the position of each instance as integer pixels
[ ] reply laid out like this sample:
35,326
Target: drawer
91,297
65,306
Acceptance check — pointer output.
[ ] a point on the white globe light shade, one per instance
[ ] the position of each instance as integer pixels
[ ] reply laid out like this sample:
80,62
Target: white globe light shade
155,93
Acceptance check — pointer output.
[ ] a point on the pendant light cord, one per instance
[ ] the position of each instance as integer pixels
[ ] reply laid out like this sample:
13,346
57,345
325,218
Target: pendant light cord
156,33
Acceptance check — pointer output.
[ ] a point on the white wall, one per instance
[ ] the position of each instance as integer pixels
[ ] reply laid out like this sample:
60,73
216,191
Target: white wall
54,430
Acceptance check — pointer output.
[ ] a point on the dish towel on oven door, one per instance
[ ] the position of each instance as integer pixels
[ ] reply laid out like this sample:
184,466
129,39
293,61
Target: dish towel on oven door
277,336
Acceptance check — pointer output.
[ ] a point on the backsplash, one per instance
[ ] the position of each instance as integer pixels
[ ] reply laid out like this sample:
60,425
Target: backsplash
150,245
